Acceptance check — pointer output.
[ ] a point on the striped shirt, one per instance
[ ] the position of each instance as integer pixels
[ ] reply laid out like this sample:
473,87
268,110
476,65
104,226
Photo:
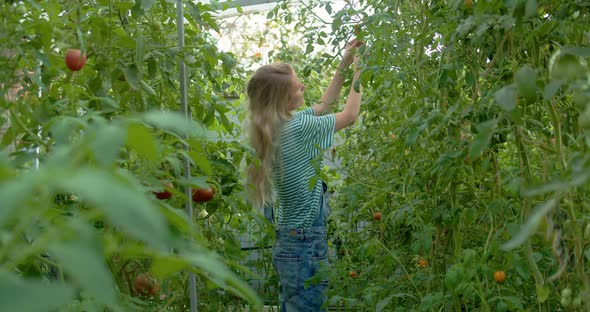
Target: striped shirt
302,141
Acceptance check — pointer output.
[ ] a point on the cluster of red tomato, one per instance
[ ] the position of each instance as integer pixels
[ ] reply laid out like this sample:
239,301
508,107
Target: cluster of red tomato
199,195
144,285
75,60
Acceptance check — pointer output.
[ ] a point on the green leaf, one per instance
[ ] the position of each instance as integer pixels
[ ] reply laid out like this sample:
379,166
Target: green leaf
506,97
210,264
8,137
531,8
382,304
110,104
578,51
484,135
13,194
543,293
140,139
552,88
357,86
194,181
174,122
525,79
132,76
177,218
147,88
514,303
198,156
225,122
531,225
124,5
147,4
549,187
431,301
83,260
64,127
165,266
566,67
32,295
124,205
107,142
313,181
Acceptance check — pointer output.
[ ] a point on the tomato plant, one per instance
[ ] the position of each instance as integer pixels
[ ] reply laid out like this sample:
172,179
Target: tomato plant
472,141
83,153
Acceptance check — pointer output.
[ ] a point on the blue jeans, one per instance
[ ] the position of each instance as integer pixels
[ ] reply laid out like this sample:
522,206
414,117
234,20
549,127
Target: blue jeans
298,254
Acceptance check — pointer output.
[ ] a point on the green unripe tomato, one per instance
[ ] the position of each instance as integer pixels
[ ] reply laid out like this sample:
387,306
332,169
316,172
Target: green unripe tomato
21,9
577,302
566,293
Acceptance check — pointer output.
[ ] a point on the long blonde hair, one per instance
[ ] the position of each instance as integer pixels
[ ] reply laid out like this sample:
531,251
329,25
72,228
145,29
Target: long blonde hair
268,107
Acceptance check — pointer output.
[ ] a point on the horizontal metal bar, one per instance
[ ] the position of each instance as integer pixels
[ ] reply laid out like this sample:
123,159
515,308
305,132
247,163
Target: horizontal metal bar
242,3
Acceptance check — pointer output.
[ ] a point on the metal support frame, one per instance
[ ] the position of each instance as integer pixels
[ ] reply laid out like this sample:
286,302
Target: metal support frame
184,109
242,3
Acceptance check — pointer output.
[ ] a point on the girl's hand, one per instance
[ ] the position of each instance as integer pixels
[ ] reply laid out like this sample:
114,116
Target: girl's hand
350,48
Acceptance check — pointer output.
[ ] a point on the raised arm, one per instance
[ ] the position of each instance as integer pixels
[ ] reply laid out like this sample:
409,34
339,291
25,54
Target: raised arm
333,91
350,113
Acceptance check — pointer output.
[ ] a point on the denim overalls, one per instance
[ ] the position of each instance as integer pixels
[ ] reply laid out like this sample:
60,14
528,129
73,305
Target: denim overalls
298,254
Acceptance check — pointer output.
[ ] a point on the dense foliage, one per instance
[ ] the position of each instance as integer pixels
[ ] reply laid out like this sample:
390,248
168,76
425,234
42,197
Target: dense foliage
464,185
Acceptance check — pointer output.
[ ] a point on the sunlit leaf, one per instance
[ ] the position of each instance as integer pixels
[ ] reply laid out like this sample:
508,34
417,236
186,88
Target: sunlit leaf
210,264
485,132
166,266
506,97
199,157
175,122
525,79
106,142
82,259
140,139
13,193
124,205
531,225
17,294
147,4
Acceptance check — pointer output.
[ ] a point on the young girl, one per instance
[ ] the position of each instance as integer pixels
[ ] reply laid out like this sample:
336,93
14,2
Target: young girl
286,142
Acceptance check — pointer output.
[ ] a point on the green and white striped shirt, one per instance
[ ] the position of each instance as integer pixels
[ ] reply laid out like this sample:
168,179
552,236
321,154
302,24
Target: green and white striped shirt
302,139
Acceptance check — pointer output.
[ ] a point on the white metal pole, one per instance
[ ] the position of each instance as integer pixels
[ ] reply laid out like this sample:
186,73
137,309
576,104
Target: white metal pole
192,283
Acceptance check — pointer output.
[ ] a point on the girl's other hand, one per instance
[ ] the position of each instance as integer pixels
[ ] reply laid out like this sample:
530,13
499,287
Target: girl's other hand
349,52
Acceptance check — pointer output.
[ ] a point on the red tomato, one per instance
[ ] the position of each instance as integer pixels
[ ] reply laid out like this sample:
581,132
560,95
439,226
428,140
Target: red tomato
422,263
155,289
377,216
142,284
75,60
165,194
203,195
499,276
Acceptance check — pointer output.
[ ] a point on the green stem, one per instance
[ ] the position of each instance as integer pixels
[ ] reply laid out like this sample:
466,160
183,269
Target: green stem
27,130
401,265
557,127
528,177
